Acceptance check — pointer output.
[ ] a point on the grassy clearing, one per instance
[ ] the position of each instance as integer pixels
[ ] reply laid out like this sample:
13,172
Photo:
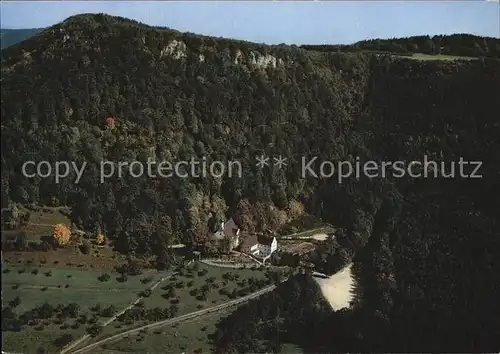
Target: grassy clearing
47,215
62,287
288,348
59,278
170,294
40,224
188,301
83,288
193,336
190,336
419,56
100,258
40,227
31,340
41,221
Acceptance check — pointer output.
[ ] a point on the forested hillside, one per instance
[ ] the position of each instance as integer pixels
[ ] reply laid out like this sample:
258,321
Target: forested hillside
426,246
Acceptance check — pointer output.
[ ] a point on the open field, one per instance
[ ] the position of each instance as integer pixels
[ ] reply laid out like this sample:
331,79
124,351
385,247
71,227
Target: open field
172,321
41,222
30,340
190,336
194,291
100,258
65,277
86,290
419,56
422,56
193,336
187,298
63,287
83,288
39,227
174,297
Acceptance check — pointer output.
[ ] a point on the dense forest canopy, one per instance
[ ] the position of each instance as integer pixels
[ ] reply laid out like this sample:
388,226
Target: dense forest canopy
467,45
427,246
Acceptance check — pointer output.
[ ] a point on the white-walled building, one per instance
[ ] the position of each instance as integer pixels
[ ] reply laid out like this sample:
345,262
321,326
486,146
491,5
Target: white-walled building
264,247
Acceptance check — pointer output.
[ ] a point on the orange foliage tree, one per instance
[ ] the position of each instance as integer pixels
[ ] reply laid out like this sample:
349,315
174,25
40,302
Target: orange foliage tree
99,239
110,122
61,234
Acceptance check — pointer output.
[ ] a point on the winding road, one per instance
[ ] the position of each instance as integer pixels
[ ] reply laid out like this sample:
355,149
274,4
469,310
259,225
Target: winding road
87,336
178,319
214,263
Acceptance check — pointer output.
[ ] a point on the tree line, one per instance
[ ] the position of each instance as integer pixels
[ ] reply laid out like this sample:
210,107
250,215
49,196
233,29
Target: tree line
466,45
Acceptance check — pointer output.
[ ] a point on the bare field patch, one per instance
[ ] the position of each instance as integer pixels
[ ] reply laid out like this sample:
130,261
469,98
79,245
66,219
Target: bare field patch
297,246
420,56
338,288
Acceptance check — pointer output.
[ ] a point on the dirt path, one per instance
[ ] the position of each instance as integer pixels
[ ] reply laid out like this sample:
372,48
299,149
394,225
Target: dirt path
175,320
179,245
112,319
35,224
319,237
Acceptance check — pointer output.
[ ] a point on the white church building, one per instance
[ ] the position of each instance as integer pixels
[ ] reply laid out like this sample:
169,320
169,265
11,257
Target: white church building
264,247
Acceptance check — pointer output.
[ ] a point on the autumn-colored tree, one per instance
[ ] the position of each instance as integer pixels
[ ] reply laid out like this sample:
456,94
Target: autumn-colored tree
218,205
199,235
295,209
99,239
110,122
15,211
61,234
13,221
243,215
